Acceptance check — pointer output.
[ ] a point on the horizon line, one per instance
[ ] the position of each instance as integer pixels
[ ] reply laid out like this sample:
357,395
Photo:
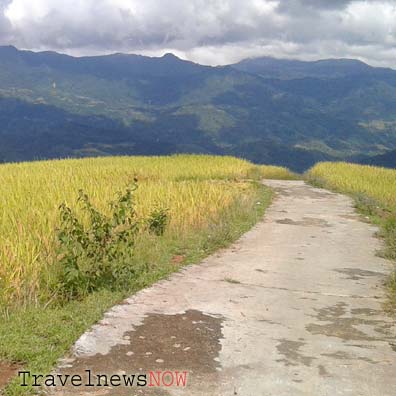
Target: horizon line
170,53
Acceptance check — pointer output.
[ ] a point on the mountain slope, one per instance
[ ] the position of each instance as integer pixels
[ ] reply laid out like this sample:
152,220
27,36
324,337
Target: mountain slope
294,69
284,112
387,160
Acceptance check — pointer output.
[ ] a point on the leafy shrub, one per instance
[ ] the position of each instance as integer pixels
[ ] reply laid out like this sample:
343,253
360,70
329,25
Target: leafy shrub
158,220
97,253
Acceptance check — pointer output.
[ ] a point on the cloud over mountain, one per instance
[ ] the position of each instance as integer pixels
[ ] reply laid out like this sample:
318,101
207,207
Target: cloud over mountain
215,31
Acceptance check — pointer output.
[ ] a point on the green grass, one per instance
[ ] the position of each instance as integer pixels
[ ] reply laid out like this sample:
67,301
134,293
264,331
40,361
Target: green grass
38,336
233,281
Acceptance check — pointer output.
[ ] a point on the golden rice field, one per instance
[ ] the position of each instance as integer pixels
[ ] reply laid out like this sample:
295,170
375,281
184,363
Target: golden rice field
195,189
276,172
375,182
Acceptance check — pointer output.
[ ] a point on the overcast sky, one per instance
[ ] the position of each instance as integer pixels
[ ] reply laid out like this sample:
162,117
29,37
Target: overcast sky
206,31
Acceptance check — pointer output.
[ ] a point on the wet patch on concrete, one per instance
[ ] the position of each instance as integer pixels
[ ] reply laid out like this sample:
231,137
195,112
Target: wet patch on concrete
185,342
368,360
7,372
303,192
393,346
331,312
291,352
271,322
362,346
357,274
322,371
337,325
385,328
341,355
308,298
305,222
341,324
365,311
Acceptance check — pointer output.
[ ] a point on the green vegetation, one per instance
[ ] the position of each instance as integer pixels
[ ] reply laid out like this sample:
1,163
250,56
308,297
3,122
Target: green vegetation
98,254
71,247
233,281
374,191
57,106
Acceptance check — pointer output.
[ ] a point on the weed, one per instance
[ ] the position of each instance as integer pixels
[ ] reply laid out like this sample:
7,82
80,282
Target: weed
99,254
230,280
158,220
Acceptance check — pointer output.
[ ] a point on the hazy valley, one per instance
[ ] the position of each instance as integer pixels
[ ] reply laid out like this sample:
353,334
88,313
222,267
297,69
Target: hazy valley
289,113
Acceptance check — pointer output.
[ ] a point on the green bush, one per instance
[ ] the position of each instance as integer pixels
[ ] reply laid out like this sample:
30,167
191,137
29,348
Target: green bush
98,253
158,220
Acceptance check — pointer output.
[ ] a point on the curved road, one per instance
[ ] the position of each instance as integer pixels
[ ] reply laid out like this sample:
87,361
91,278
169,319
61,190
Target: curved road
293,308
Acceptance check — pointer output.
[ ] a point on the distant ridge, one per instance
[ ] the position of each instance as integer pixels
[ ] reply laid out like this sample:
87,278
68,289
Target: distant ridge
285,112
289,68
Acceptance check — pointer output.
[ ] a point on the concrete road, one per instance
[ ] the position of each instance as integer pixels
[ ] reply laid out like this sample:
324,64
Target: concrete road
293,308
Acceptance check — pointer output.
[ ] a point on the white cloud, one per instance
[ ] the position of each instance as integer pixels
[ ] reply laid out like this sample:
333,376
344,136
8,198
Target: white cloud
207,31
371,22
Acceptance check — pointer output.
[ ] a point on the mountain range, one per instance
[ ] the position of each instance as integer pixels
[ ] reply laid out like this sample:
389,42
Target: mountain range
278,111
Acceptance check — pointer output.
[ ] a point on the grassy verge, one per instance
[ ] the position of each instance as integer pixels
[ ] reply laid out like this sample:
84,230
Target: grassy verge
374,192
38,336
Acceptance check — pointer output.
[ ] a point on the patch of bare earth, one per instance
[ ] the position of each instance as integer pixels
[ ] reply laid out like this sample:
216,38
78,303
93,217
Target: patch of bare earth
7,372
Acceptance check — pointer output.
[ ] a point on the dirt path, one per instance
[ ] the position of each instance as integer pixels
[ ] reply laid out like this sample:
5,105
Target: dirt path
293,308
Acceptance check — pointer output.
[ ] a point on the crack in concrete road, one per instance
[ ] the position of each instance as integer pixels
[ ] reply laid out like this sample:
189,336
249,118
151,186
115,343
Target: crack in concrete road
272,340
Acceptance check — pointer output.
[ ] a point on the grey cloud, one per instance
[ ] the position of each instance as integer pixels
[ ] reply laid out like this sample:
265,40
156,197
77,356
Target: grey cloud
314,4
215,31
178,24
5,25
